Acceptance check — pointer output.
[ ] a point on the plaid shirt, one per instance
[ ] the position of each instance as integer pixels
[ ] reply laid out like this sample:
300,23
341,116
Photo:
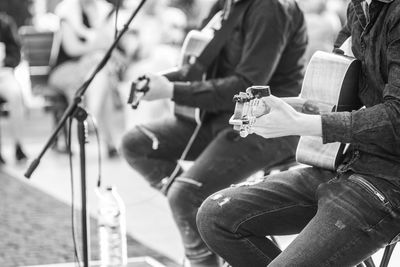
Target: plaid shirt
374,132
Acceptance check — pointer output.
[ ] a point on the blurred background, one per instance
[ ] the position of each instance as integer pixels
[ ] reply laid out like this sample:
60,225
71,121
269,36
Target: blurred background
36,215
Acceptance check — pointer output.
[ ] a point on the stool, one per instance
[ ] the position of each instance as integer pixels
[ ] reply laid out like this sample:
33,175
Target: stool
384,260
56,103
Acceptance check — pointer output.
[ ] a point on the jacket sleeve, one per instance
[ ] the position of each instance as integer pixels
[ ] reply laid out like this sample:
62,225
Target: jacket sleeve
262,48
378,125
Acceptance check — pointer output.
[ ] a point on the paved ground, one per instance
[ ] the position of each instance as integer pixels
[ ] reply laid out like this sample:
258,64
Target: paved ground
148,216
36,228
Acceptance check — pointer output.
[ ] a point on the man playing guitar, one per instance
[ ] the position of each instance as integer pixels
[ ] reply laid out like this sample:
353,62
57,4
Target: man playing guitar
266,46
341,215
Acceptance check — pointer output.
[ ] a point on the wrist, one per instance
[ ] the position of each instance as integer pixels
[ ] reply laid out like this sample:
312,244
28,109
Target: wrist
170,90
308,125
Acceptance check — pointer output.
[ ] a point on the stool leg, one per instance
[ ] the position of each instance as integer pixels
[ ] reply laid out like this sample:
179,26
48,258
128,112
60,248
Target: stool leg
369,262
387,254
2,161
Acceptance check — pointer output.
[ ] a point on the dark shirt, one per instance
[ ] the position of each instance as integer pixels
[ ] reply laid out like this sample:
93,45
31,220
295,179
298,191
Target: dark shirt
266,48
9,36
374,131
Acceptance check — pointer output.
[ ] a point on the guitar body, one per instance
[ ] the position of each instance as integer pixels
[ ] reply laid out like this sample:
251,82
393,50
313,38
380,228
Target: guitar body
193,45
331,80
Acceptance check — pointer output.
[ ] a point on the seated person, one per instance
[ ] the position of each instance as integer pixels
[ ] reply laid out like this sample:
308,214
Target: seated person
254,52
86,34
342,215
10,90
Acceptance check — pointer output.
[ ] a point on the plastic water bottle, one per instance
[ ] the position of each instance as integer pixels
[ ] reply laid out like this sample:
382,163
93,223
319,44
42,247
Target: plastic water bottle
112,228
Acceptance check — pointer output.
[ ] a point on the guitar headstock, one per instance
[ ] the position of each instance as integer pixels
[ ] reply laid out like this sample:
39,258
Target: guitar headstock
245,113
138,89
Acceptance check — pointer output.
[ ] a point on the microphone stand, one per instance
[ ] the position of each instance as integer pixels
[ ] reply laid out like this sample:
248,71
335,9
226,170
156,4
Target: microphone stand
80,114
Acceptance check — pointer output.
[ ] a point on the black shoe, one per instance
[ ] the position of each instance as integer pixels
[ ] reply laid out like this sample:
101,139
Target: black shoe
19,153
112,152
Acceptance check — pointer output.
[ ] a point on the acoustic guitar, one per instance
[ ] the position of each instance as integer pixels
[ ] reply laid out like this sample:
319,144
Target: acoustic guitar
193,45
330,85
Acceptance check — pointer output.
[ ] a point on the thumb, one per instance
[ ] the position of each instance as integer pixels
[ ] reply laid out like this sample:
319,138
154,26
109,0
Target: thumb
265,105
272,101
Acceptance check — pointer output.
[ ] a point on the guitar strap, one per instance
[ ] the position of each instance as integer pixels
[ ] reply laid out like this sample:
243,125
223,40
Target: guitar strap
213,48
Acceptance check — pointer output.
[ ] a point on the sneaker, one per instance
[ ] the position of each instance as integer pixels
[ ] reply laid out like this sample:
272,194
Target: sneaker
112,152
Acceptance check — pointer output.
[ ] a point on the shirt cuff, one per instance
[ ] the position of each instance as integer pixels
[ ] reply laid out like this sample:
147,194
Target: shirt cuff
336,127
182,92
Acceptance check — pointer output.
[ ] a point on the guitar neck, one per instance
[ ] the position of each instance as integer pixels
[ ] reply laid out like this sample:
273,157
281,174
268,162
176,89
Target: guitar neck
308,106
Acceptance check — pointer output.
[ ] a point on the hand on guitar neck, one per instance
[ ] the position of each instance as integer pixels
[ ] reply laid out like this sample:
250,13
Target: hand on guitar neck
277,118
330,85
270,116
159,88
150,87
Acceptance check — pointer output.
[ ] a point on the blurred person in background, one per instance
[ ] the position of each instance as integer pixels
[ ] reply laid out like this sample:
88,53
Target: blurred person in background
20,10
10,90
158,47
254,53
340,8
86,33
322,25
195,10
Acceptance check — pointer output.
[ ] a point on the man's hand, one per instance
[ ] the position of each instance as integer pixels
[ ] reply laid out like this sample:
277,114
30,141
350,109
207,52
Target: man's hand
283,120
159,88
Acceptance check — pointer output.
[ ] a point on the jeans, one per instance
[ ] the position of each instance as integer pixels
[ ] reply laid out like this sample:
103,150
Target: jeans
340,219
221,157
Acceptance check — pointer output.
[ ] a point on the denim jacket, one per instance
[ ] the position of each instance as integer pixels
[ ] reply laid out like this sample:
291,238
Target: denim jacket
374,131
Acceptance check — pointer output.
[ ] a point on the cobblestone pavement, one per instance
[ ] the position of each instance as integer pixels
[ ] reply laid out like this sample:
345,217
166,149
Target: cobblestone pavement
36,228
35,224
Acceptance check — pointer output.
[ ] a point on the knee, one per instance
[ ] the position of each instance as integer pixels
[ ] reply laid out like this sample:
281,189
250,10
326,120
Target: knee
134,145
212,218
184,199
